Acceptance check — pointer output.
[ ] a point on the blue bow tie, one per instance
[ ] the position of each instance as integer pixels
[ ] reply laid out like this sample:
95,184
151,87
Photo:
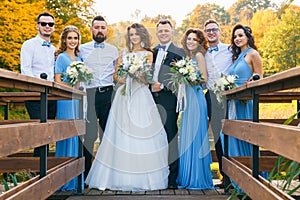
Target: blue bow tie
48,44
162,47
211,49
101,45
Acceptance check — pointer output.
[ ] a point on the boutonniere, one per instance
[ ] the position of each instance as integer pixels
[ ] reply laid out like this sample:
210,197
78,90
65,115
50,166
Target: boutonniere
165,56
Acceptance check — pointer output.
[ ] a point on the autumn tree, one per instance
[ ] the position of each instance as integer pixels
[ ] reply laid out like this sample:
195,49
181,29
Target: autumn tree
17,23
201,13
243,10
281,43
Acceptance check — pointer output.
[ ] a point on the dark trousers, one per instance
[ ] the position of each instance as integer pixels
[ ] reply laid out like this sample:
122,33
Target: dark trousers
34,111
166,103
99,104
216,112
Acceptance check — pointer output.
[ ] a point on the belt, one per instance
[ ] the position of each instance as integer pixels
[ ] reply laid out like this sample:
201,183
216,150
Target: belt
105,88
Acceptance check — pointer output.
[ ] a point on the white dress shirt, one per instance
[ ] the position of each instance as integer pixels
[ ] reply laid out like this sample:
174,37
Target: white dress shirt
161,54
101,61
37,59
217,62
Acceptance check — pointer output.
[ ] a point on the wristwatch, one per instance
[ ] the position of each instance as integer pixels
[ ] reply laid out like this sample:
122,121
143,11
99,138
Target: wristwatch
161,86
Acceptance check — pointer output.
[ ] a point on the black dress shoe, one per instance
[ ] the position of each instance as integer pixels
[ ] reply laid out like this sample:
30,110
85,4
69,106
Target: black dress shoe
172,186
86,186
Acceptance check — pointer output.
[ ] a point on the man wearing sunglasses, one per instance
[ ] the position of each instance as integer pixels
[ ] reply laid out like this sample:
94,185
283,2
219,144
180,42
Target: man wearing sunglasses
37,60
218,60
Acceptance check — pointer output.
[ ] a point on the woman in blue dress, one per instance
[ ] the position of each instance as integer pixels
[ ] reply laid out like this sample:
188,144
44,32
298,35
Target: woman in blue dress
67,109
247,63
194,149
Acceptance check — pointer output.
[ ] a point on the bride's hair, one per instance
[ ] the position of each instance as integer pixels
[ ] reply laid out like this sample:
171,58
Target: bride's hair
142,32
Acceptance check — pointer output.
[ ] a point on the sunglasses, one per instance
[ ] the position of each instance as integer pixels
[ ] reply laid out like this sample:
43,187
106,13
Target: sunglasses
211,30
50,24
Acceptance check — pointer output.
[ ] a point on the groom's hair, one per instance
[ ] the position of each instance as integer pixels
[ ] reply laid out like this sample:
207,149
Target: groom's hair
163,22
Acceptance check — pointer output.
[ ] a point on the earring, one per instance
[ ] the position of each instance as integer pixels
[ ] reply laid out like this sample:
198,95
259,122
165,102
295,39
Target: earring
142,44
130,46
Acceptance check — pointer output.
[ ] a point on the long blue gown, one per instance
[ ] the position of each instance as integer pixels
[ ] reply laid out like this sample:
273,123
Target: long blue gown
244,110
194,150
67,109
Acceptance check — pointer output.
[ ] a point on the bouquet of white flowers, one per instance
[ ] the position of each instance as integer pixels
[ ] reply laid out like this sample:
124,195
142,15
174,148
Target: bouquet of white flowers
226,82
135,67
185,72
78,72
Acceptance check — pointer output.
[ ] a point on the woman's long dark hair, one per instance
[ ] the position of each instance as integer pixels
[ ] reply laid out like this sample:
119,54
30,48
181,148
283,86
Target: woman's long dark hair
248,32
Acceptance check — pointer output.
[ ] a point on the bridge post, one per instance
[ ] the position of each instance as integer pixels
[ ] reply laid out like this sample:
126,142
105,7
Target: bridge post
255,148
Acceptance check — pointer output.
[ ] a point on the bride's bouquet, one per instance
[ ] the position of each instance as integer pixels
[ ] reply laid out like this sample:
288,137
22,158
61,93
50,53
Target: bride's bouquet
136,67
185,72
78,72
226,82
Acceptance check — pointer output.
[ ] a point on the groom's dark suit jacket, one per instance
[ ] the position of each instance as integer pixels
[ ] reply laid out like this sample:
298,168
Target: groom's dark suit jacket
168,101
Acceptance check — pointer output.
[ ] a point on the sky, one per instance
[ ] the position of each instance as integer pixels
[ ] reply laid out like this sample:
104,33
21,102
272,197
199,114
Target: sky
115,10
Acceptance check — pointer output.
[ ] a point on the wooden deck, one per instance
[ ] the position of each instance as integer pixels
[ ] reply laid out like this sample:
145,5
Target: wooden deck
168,194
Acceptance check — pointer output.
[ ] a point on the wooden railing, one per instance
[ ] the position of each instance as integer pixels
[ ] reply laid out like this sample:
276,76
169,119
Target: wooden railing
20,135
269,134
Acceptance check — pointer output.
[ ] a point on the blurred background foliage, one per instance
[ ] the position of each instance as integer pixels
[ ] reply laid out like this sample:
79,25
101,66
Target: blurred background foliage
276,27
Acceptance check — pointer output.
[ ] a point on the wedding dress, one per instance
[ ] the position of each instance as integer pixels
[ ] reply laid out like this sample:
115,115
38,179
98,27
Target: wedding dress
133,155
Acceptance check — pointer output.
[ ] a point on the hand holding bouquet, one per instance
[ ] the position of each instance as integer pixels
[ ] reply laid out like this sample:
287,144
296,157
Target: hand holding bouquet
135,67
78,72
226,82
185,72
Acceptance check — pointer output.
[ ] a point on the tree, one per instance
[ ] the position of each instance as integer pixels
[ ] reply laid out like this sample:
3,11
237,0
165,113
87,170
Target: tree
204,12
245,9
17,24
281,44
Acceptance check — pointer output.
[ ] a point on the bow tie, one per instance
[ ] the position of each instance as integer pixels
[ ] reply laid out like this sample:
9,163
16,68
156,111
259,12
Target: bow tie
162,47
211,49
48,44
101,45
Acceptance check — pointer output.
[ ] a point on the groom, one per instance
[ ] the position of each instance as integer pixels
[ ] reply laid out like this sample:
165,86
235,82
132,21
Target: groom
165,53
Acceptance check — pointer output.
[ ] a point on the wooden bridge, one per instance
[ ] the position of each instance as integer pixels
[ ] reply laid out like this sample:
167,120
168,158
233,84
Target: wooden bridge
17,136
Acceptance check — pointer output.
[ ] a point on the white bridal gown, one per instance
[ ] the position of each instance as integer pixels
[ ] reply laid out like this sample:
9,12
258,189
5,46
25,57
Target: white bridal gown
133,155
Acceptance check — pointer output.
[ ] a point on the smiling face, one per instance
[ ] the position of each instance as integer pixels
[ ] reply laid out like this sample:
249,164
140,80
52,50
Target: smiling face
213,33
45,26
164,33
72,40
192,42
240,39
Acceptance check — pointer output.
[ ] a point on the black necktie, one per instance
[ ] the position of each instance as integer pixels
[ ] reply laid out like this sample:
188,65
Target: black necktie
162,47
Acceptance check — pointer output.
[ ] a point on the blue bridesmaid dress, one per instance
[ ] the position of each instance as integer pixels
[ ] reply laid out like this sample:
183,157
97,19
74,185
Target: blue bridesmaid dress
67,109
244,110
194,150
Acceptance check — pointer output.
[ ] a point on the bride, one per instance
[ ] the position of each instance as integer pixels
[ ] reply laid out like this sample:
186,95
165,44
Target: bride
133,155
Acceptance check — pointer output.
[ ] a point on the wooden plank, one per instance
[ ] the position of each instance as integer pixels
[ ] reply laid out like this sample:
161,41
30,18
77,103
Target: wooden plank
30,164
295,122
47,185
31,181
251,186
8,122
23,136
273,137
24,96
266,163
265,182
281,81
